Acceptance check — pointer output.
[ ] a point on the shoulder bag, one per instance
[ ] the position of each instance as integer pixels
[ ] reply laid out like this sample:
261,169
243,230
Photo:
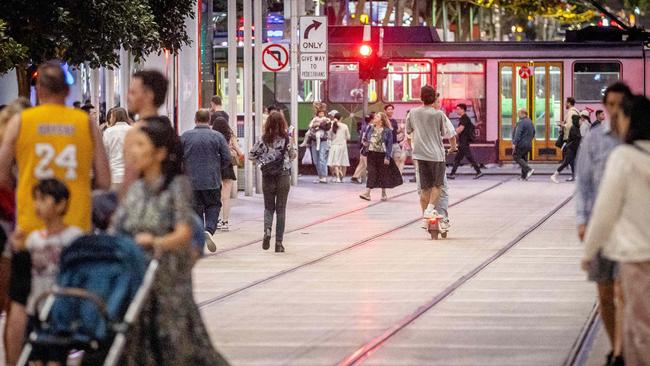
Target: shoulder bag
275,167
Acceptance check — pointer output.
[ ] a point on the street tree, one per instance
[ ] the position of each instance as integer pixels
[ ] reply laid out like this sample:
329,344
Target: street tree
11,52
81,31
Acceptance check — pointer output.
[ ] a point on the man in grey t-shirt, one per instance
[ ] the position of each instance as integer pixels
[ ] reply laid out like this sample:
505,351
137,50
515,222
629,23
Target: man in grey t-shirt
428,127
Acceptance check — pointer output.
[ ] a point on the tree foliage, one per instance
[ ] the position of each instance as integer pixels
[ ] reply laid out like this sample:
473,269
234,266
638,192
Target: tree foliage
11,52
92,31
562,10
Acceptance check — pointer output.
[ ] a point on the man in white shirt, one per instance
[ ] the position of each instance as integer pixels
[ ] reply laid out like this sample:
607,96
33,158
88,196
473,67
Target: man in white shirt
114,143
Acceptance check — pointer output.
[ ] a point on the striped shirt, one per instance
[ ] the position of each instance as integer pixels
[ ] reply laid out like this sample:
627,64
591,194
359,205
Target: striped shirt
592,157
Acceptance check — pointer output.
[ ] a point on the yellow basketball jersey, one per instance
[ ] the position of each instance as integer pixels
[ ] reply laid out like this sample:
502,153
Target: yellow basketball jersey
54,142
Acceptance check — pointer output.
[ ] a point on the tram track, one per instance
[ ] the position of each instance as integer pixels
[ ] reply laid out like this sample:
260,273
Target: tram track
361,353
358,243
308,225
580,351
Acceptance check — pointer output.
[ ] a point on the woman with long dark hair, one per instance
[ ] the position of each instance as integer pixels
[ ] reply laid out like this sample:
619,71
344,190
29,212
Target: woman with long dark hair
382,170
228,176
157,212
274,152
619,225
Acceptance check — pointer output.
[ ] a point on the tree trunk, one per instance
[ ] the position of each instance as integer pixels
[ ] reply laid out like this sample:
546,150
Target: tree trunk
361,6
24,81
390,4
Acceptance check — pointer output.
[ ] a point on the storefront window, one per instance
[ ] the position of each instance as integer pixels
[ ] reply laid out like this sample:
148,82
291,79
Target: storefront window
344,85
404,81
463,82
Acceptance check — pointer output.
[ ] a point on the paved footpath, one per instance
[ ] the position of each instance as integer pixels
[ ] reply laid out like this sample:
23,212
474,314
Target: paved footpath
295,308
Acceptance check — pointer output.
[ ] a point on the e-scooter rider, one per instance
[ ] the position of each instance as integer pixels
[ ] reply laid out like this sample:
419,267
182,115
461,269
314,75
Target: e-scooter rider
428,128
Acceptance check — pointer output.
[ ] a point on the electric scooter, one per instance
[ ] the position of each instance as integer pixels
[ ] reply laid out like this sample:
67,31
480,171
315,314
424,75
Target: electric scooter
434,228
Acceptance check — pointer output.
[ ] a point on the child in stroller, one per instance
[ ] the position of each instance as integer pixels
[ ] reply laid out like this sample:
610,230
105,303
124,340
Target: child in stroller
51,203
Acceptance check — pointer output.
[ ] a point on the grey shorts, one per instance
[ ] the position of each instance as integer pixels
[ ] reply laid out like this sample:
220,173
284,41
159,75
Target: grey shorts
431,173
602,269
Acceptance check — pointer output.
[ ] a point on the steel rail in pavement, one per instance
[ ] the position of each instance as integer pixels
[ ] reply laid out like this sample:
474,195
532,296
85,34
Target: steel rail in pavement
363,352
361,242
580,351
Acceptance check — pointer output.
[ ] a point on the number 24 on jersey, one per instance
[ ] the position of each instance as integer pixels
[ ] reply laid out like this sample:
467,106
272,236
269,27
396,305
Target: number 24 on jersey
66,159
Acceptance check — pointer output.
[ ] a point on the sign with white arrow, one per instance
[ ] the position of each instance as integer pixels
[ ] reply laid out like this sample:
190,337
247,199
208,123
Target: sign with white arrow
313,34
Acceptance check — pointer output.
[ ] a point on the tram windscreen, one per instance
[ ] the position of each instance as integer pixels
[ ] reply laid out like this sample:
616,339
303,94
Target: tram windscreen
464,82
590,79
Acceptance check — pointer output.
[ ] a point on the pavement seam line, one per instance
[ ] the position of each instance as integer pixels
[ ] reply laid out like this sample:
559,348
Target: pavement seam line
314,223
366,240
374,344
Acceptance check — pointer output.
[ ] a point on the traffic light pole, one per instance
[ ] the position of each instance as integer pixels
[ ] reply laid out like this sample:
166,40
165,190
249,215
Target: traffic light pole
365,100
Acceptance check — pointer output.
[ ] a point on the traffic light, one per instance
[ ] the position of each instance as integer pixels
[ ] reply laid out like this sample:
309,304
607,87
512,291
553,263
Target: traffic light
371,66
32,73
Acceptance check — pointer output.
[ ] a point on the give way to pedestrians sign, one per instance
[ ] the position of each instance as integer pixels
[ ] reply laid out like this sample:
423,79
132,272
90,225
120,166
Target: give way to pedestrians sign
275,57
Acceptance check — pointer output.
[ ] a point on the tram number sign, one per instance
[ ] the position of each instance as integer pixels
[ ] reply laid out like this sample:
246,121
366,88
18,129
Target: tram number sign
275,57
524,72
313,66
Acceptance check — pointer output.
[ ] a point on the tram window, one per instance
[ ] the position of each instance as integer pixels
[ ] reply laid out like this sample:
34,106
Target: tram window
405,79
306,88
344,85
463,82
590,79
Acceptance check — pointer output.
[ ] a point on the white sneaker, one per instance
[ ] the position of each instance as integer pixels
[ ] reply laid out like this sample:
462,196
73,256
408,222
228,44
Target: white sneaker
530,172
322,180
209,242
224,226
430,213
554,178
444,224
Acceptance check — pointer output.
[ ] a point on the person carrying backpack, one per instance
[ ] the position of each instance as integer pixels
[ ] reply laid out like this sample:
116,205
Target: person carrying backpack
274,152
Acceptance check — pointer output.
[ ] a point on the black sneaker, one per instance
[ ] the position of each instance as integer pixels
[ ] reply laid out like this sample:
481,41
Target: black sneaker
266,243
278,247
618,361
451,176
478,175
354,180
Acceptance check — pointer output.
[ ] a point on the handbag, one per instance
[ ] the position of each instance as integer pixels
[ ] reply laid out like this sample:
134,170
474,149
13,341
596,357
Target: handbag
275,167
306,159
237,159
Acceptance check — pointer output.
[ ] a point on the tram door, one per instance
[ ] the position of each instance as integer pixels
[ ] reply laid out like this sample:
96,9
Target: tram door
537,87
221,84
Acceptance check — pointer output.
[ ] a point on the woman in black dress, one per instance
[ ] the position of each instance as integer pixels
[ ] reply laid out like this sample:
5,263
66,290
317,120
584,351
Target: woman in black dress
228,176
382,170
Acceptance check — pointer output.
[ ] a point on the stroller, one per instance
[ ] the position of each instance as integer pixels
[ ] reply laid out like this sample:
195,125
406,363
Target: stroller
99,292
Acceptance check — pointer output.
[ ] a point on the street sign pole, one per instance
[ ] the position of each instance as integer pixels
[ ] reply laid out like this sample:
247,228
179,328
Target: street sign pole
232,76
249,168
259,38
294,84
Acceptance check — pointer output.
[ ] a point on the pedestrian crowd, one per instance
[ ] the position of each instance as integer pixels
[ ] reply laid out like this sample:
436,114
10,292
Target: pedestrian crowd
167,190
170,195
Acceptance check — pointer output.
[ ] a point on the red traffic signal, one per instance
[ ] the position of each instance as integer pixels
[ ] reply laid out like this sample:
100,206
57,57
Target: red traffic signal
365,50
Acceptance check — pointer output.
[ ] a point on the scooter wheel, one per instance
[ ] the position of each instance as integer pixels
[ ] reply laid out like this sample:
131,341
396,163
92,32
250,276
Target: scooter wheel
434,234
443,235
